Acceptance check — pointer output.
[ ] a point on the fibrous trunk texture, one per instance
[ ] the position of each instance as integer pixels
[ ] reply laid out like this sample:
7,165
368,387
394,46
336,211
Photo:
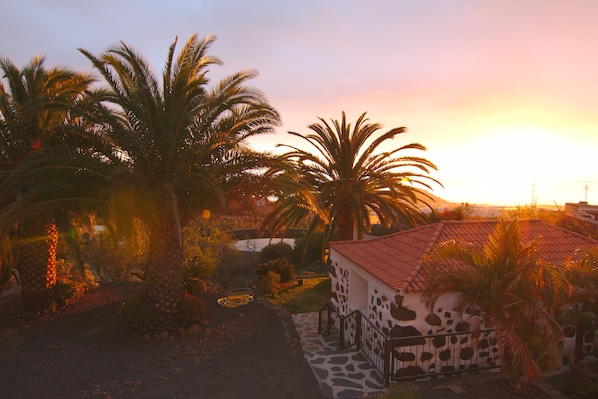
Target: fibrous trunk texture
165,273
36,263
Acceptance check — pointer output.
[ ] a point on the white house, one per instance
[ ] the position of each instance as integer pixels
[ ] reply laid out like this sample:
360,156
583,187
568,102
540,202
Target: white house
381,278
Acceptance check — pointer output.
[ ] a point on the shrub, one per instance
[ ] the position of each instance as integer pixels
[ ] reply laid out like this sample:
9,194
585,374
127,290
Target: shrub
112,262
64,291
195,274
269,284
192,311
280,266
136,315
402,390
234,271
72,272
276,251
309,251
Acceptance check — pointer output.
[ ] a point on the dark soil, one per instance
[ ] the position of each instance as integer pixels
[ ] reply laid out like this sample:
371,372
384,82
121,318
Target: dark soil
83,352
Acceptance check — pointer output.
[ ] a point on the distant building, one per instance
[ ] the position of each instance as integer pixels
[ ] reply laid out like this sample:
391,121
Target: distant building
582,210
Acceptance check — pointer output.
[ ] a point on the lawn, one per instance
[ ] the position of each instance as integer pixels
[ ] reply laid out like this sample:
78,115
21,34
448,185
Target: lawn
307,297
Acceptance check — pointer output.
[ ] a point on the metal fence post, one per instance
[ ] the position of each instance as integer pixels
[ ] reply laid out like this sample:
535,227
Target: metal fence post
358,332
387,362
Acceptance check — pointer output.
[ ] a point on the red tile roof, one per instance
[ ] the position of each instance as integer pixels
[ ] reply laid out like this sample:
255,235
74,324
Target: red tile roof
396,259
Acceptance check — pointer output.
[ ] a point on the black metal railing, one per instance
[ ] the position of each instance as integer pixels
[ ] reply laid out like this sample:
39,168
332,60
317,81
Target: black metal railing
357,330
415,357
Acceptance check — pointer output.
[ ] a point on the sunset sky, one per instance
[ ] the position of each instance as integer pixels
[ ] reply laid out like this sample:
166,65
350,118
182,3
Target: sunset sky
504,93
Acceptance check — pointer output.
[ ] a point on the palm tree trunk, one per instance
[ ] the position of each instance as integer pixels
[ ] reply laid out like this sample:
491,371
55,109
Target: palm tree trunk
165,273
37,262
346,225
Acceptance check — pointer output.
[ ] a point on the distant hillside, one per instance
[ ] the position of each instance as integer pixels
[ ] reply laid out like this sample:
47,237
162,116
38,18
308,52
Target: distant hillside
436,201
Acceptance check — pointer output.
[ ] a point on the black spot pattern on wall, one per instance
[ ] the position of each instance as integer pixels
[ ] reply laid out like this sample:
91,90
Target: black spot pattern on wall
404,356
445,355
426,356
401,313
407,331
466,353
433,320
462,326
439,342
409,371
447,315
484,343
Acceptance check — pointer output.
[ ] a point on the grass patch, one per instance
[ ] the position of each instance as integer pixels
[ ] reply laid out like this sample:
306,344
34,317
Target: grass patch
309,297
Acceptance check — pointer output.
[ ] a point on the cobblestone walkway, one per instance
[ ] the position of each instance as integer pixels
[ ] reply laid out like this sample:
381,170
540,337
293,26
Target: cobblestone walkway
342,374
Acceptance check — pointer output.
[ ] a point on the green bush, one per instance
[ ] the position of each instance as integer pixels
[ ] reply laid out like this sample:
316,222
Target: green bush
276,251
269,284
280,266
136,315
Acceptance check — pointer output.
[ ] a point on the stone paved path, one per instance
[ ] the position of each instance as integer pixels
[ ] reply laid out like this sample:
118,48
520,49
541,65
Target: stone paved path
343,374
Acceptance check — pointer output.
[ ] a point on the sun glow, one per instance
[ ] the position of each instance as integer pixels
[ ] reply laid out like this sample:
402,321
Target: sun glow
517,165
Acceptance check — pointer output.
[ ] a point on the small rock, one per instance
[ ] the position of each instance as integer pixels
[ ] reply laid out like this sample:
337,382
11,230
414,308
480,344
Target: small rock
195,329
146,337
156,337
164,335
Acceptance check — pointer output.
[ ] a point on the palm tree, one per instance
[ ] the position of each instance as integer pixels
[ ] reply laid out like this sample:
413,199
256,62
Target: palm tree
33,114
347,176
514,289
582,309
181,143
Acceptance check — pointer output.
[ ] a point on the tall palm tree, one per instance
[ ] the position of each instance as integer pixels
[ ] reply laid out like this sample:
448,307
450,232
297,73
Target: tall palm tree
346,176
181,142
33,114
515,290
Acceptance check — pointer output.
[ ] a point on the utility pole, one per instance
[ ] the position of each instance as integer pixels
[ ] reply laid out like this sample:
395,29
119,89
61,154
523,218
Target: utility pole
586,194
